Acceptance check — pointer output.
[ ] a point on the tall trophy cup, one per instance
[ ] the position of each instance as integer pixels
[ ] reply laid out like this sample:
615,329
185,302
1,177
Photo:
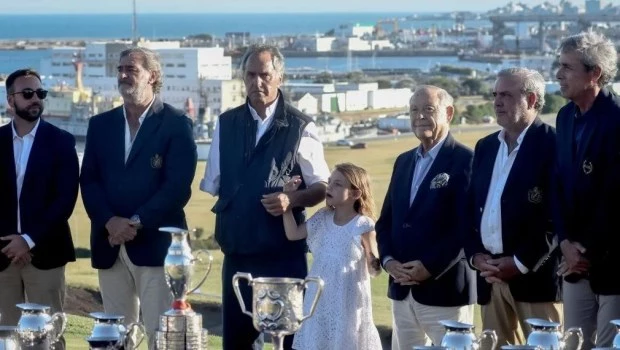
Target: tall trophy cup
181,327
277,304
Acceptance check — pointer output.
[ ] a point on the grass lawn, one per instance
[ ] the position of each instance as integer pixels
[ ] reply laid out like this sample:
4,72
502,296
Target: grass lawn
378,158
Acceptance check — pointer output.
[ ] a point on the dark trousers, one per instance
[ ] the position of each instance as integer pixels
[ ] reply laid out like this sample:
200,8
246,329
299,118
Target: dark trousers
239,333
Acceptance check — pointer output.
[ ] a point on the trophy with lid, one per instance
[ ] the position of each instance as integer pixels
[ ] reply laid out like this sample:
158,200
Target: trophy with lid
181,327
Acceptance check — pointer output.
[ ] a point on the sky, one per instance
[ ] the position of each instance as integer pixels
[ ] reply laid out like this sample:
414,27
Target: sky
245,6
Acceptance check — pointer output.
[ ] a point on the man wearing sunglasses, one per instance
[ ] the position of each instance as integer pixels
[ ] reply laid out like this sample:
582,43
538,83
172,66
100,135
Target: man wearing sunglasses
137,171
39,175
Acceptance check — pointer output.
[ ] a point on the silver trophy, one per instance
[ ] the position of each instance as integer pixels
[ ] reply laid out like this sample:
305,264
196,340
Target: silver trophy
8,338
461,335
109,333
616,342
547,334
277,304
181,327
36,327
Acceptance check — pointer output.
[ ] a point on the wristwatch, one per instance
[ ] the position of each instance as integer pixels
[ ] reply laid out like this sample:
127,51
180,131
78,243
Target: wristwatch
135,221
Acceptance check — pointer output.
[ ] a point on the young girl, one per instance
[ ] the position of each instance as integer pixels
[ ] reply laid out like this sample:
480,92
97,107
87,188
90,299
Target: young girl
343,243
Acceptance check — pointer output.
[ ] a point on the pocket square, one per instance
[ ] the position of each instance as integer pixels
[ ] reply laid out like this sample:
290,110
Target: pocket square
440,180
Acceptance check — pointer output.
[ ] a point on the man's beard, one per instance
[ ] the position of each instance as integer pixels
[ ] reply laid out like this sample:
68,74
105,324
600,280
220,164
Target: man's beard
24,113
132,92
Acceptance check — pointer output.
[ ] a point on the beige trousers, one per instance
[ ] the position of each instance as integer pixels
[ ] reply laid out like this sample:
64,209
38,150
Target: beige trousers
418,324
127,290
507,316
29,284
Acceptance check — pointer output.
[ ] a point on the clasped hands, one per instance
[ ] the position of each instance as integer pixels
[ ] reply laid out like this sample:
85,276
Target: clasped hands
409,273
120,230
499,270
17,250
278,203
573,260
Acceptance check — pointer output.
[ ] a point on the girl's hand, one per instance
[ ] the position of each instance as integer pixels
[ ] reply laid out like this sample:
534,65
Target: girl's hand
292,185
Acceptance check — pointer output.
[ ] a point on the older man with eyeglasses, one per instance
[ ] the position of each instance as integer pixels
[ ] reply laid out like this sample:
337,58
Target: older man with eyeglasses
39,176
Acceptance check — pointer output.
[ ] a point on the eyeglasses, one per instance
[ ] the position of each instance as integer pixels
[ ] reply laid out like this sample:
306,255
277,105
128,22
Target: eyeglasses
29,93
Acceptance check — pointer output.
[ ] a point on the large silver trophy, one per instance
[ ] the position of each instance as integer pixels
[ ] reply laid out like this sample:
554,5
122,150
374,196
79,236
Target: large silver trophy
277,304
547,334
181,327
461,335
8,338
109,333
37,328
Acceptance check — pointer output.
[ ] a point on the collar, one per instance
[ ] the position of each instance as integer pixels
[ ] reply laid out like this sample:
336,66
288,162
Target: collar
433,151
143,115
502,136
270,111
32,132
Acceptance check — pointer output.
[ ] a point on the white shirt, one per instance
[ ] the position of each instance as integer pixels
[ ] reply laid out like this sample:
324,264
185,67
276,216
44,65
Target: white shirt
491,223
423,163
310,153
21,153
128,140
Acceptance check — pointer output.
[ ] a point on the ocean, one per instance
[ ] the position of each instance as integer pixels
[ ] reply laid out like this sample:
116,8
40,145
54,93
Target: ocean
106,26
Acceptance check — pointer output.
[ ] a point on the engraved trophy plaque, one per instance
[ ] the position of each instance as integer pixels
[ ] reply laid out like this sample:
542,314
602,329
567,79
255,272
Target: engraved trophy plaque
181,327
277,304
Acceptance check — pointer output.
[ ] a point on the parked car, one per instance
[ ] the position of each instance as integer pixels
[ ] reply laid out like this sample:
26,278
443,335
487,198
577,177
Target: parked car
343,142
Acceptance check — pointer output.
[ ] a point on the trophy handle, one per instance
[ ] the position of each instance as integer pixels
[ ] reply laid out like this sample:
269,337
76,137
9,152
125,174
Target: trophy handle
235,281
319,290
135,329
204,278
63,325
489,333
576,331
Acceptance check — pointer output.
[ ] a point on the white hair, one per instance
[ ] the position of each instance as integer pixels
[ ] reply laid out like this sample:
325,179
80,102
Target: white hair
532,81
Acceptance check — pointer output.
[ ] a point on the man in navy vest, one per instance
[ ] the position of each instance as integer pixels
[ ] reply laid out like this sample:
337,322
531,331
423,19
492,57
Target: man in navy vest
256,148
588,186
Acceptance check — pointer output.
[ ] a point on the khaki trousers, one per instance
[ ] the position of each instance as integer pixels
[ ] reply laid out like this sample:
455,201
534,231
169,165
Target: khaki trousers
127,290
591,312
507,316
29,284
418,324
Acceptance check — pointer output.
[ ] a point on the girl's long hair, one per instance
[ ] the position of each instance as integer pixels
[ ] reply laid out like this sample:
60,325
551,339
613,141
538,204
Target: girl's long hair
359,179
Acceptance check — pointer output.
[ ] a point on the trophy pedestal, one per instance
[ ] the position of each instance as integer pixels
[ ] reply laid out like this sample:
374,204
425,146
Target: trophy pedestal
181,331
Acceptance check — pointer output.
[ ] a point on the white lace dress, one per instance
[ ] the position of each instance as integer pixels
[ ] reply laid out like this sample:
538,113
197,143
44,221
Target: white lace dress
343,316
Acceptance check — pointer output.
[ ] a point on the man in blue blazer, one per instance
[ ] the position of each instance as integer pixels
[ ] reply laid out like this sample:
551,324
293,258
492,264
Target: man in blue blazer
588,186
38,188
418,230
137,172
509,238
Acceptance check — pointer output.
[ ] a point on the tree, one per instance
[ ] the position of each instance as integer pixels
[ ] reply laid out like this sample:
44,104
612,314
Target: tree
384,84
553,103
355,77
405,83
324,78
473,87
451,86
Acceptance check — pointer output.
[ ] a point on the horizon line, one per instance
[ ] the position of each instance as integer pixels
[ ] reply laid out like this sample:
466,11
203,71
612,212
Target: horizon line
228,13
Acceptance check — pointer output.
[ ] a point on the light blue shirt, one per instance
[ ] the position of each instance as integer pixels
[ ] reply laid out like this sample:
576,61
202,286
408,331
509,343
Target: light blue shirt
423,163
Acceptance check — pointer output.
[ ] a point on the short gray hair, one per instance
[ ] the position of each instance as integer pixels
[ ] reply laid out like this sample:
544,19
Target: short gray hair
532,81
277,59
445,99
595,51
150,62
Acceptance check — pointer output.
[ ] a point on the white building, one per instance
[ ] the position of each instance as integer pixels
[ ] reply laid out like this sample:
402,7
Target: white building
389,98
308,104
356,100
183,68
355,30
223,95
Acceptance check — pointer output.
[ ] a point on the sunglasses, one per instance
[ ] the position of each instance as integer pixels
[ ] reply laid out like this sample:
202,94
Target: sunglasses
29,93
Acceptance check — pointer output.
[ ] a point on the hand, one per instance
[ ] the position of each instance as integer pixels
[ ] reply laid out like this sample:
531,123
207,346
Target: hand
507,270
23,260
16,249
121,229
293,184
276,203
573,257
114,241
398,272
487,270
417,271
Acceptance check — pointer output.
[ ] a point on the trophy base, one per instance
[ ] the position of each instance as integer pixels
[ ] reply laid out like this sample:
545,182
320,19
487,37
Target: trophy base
181,331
